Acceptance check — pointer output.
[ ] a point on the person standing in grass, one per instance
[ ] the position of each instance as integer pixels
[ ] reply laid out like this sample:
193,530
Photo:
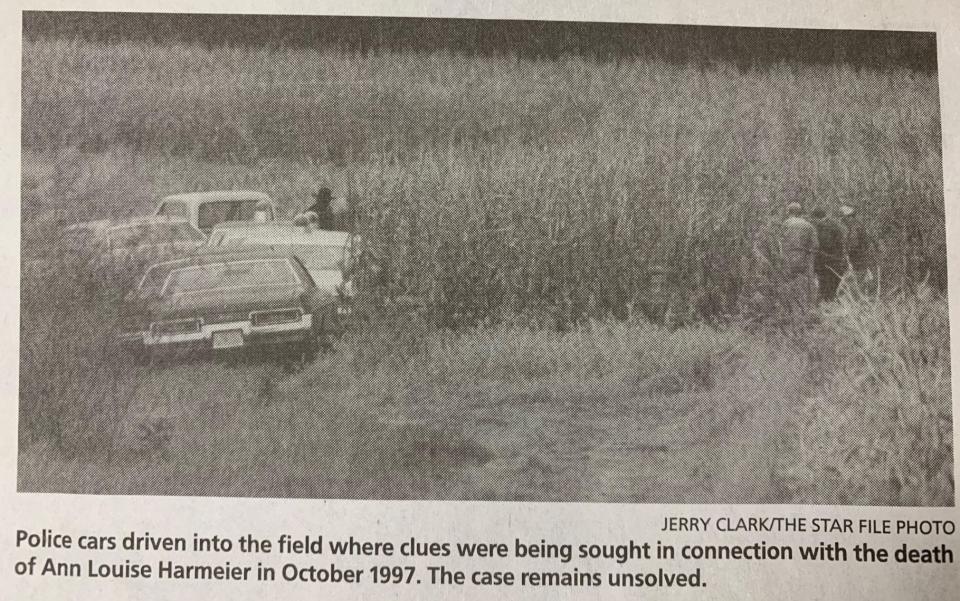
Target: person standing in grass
831,260
860,247
800,245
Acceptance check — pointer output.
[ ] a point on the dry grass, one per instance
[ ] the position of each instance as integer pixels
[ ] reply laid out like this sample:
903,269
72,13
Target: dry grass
525,202
610,411
877,426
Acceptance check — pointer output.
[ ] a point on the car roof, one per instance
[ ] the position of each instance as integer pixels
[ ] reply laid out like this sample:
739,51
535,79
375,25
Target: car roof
217,195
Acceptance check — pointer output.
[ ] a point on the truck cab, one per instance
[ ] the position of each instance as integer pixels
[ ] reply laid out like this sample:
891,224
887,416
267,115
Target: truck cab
204,210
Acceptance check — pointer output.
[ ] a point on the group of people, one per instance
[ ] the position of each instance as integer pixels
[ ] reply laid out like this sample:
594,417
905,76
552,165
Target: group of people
819,249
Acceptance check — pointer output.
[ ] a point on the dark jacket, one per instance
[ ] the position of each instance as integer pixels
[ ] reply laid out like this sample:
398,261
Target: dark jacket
324,213
860,246
832,241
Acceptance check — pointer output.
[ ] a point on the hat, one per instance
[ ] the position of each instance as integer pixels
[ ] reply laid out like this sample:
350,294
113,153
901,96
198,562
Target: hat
323,193
846,210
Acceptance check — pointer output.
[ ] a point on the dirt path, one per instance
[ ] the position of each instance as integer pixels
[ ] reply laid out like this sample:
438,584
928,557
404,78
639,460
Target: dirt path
590,443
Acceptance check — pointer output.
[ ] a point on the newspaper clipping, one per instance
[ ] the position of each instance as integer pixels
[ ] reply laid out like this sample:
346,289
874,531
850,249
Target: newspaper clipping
326,301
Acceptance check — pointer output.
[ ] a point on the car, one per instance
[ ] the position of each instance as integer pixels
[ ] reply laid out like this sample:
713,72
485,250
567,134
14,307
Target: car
225,301
238,232
136,241
204,210
325,254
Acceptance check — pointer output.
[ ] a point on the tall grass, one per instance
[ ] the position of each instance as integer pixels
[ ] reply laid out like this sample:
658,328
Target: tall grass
877,427
497,184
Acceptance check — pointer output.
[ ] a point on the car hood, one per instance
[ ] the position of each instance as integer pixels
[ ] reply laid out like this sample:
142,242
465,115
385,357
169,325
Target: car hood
240,300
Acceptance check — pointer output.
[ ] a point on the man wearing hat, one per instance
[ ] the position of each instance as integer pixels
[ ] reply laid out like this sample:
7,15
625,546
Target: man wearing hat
321,206
332,213
800,246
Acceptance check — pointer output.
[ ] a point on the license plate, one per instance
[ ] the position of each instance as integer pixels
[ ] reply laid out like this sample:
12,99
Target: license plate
228,339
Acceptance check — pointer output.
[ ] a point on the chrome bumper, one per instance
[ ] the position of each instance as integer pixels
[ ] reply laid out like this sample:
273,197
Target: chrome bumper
251,334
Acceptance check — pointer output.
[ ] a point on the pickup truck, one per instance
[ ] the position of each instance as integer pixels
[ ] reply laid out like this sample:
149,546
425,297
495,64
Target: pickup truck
204,210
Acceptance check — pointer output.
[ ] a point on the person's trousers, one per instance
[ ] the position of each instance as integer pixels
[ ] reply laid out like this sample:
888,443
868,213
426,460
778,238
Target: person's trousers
799,292
828,280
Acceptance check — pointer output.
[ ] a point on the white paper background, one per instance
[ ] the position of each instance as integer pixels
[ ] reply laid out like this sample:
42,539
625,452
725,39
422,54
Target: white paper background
452,521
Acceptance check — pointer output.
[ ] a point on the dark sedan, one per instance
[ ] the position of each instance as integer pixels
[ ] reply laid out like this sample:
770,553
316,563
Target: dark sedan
223,301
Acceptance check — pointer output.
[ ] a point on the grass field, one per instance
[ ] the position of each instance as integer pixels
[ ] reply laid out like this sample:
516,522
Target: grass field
526,202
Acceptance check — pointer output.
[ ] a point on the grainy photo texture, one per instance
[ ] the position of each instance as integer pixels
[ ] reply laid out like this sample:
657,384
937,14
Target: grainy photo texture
387,258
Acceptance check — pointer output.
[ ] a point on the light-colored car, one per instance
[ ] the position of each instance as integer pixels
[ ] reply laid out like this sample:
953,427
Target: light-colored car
218,301
326,254
206,209
135,241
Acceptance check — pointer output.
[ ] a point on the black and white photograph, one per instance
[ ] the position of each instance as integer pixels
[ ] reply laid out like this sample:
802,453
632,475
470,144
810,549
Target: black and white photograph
387,258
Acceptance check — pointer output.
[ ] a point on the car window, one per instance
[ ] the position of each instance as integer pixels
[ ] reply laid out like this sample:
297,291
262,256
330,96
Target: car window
232,274
211,213
174,209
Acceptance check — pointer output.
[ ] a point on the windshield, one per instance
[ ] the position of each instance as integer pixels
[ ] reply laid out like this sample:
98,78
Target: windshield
234,274
211,213
154,233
